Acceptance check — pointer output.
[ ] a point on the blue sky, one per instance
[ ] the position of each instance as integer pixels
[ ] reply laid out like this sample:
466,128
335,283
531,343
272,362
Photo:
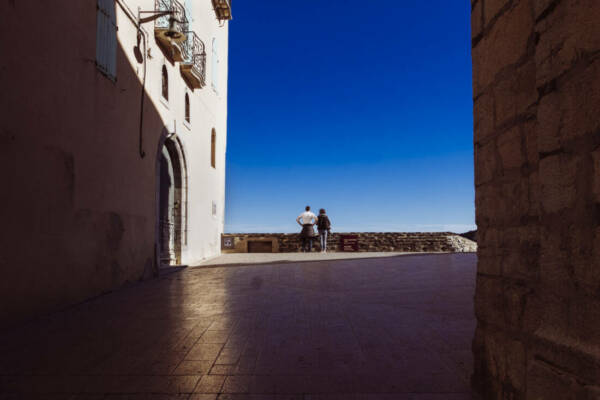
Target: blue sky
362,108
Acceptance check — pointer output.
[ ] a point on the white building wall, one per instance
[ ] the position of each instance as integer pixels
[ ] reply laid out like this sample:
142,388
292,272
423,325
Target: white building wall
208,111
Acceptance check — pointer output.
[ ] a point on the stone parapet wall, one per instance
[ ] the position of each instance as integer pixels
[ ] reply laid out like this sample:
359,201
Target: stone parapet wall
367,242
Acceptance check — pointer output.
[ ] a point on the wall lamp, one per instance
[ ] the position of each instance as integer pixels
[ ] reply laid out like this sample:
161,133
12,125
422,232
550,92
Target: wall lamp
172,32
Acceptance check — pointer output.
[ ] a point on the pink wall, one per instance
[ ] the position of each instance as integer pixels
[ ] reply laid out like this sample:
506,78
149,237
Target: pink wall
79,205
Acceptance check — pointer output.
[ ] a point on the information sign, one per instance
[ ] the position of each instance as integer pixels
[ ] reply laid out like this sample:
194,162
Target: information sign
227,243
349,242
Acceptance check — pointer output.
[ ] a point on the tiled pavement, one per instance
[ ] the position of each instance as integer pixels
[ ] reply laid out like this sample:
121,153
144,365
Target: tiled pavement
388,328
264,258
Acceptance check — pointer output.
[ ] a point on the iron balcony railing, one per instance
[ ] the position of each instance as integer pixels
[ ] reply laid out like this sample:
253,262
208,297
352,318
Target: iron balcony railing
194,55
222,9
176,21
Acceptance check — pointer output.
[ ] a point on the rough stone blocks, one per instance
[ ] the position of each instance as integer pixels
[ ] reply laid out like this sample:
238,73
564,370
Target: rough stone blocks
536,81
503,46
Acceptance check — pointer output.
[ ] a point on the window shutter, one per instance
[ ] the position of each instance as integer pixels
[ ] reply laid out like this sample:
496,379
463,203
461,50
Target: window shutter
106,38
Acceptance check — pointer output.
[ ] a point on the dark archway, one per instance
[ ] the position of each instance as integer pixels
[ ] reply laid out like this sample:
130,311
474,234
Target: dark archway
172,201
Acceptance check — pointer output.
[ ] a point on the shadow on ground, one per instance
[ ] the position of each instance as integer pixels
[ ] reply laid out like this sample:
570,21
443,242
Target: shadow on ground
387,328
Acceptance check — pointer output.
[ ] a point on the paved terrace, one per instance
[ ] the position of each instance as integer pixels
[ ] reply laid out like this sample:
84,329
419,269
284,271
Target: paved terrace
265,258
381,328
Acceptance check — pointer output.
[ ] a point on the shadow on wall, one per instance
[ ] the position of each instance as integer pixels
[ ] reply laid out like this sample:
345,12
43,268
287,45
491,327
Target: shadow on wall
80,206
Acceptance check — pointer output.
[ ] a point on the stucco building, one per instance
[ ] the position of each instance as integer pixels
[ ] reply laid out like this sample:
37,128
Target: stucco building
112,144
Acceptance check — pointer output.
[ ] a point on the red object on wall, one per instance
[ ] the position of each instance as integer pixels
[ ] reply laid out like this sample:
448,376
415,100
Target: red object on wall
349,242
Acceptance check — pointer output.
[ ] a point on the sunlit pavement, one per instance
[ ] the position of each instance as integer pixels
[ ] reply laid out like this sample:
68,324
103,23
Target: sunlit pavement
382,328
263,258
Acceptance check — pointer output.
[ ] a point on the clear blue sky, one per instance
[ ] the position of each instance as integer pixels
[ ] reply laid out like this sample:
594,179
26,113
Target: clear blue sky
363,108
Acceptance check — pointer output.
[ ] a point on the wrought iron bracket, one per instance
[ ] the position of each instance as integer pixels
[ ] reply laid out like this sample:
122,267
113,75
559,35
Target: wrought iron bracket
157,15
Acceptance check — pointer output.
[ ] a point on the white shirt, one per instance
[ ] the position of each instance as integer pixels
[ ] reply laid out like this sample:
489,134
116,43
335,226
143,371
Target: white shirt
306,217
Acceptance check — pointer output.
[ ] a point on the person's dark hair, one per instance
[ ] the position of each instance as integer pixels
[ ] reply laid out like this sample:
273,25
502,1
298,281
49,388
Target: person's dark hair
307,208
322,211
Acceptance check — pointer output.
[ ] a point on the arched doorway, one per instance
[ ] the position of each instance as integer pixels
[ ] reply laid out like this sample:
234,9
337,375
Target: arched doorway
172,201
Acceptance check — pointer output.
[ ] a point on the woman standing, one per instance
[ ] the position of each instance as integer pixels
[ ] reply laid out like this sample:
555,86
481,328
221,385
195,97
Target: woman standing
324,227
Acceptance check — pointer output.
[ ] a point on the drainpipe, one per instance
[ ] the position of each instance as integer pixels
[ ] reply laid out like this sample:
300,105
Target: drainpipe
140,34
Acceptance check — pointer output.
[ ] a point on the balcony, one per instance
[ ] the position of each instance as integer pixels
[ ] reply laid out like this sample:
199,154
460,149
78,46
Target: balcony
193,65
170,29
222,9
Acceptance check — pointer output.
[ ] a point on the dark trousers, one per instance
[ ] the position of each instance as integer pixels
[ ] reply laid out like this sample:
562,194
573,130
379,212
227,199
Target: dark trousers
307,244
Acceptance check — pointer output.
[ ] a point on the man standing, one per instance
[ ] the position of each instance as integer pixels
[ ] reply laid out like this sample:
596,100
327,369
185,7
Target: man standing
306,220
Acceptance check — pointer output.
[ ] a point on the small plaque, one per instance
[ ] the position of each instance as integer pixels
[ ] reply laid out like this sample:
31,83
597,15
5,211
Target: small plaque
227,243
349,242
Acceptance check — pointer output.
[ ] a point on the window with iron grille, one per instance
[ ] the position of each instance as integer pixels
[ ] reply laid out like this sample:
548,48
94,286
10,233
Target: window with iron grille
106,38
165,83
187,108
213,149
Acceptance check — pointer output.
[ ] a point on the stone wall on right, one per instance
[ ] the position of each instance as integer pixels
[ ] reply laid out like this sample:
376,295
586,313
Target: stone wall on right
536,90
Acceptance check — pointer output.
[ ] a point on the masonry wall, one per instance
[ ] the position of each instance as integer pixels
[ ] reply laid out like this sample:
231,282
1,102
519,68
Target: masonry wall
367,241
536,88
79,210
